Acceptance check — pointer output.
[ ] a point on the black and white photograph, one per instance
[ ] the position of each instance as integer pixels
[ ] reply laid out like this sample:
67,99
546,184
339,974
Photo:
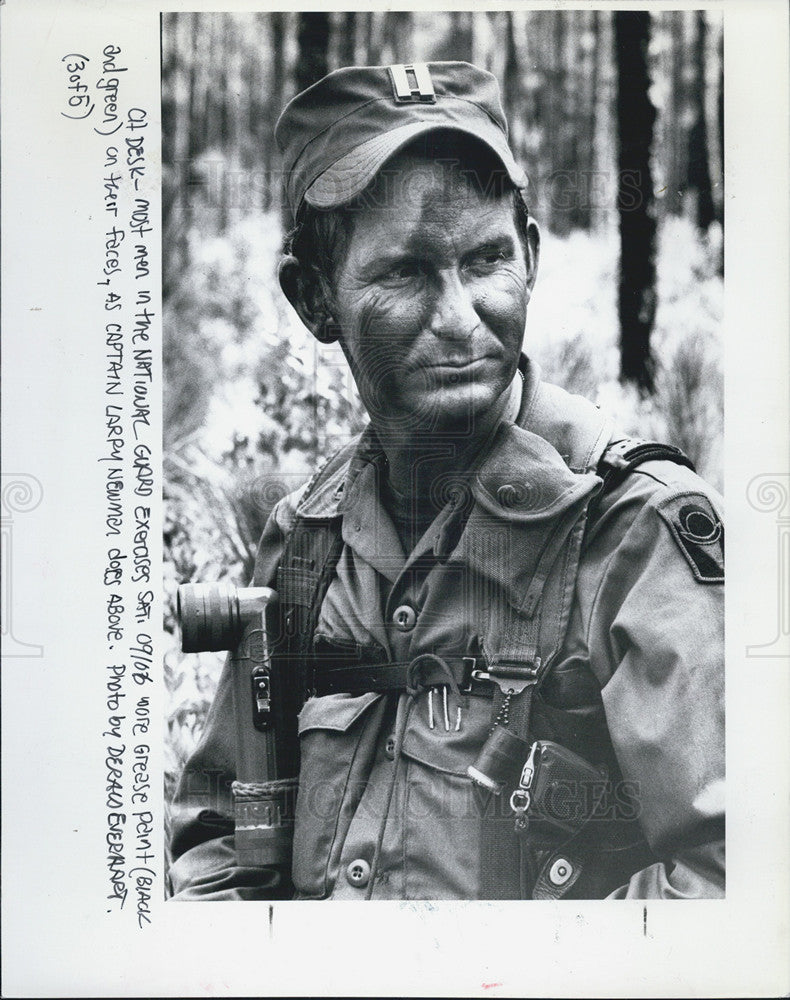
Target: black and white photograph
493,663
374,381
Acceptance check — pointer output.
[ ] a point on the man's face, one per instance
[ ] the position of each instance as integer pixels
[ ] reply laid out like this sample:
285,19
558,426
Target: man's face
432,299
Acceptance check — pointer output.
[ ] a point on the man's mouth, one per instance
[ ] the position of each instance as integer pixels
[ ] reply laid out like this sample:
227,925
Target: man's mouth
457,366
455,362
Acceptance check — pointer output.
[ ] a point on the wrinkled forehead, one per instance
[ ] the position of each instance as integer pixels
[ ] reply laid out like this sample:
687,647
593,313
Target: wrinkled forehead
423,203
432,175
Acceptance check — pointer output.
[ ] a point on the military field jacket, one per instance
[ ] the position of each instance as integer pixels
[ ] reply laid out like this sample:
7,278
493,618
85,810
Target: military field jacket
639,625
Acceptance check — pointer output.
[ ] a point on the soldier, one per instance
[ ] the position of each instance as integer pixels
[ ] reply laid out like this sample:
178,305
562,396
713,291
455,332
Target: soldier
508,617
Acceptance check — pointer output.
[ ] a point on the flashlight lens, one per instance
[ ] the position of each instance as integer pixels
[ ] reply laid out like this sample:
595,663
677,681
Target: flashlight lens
209,617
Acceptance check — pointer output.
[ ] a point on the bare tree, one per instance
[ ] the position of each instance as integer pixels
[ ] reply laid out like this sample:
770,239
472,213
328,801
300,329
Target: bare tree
312,62
635,203
699,167
347,43
676,147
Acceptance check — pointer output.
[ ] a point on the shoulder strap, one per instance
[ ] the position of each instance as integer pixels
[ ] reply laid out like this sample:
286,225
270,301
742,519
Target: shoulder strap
621,458
310,555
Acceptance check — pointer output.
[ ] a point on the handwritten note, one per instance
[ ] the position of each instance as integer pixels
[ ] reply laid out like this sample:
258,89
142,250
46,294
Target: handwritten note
95,97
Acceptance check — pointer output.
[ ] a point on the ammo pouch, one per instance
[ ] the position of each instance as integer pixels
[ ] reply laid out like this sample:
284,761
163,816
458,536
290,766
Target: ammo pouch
582,839
558,789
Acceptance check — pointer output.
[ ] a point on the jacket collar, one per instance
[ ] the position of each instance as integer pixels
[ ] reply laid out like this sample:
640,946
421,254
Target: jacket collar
563,436
330,498
577,429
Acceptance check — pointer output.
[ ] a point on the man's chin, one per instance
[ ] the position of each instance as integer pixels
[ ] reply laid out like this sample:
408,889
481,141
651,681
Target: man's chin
456,409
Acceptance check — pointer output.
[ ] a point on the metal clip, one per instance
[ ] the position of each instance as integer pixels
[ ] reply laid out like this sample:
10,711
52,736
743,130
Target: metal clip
528,771
519,803
510,676
261,700
520,798
465,687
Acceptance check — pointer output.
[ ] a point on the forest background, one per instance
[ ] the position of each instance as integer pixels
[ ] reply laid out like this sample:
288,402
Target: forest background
617,118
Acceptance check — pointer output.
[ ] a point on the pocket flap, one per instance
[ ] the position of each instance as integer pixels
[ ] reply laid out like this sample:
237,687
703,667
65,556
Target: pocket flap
450,750
334,711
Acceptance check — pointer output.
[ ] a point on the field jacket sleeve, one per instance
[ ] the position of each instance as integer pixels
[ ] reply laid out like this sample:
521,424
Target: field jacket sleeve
655,638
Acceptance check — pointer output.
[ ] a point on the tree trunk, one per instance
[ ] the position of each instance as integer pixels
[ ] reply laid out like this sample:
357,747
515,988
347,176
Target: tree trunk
511,90
699,168
397,36
347,51
539,109
206,73
720,116
720,122
635,203
462,37
676,154
224,139
277,73
277,99
175,137
252,120
373,38
186,191
312,61
594,122
582,106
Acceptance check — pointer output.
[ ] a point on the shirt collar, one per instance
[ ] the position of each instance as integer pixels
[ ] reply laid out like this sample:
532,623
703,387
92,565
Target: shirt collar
545,411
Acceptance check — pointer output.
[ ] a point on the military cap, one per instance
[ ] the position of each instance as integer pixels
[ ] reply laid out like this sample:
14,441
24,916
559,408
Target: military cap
336,135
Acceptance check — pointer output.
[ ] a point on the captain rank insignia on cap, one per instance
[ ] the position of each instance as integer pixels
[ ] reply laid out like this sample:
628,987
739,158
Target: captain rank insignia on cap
412,83
699,533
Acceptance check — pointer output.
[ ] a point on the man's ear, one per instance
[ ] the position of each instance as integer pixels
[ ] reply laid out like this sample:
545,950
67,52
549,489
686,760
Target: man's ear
308,293
532,251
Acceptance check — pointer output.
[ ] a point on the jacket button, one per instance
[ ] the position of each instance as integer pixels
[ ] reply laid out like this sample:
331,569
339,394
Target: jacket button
389,748
358,873
507,495
560,871
404,618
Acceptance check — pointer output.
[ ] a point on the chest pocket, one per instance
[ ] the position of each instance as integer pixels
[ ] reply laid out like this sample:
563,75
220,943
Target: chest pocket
444,748
337,736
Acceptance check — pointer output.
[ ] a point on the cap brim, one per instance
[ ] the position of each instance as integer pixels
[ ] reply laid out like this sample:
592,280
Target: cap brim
351,174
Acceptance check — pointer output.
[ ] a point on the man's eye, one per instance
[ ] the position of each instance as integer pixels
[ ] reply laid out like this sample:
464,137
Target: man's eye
402,271
488,255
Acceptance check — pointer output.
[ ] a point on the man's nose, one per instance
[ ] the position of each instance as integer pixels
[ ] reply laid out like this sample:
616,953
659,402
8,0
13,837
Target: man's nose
453,314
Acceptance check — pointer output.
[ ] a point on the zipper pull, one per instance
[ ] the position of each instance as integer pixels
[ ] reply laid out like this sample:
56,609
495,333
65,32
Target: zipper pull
520,798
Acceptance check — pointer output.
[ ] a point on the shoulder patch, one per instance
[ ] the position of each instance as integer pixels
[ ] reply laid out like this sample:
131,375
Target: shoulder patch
699,533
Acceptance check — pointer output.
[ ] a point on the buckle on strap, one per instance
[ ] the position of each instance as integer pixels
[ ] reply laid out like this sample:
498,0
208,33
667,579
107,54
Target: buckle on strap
510,677
469,664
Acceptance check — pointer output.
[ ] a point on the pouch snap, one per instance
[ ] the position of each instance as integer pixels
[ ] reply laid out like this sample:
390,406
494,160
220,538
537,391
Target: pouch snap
560,872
